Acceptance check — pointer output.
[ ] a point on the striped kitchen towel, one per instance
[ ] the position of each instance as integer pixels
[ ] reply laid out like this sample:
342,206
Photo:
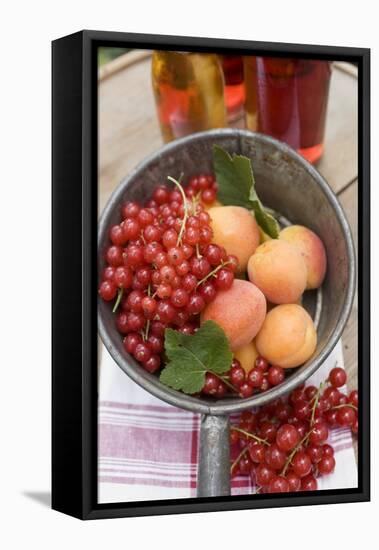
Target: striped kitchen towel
147,449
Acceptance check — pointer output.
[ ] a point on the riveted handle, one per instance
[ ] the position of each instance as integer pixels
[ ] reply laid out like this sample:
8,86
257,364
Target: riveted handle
213,474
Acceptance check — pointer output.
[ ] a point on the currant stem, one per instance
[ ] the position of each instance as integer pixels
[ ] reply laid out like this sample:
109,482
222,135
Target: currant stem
212,273
195,201
244,450
290,457
315,403
118,299
146,333
185,206
253,436
345,405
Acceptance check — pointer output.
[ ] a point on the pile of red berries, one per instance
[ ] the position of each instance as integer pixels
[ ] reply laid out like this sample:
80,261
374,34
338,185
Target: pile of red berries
283,446
162,268
260,378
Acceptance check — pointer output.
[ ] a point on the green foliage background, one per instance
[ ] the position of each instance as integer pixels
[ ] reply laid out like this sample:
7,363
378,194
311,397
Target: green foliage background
107,54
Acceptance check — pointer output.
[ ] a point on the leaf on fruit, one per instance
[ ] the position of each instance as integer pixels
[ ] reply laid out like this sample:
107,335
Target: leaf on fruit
191,356
266,221
236,186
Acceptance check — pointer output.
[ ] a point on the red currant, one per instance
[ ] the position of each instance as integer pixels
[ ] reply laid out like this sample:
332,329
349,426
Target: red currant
195,304
319,433
157,328
123,277
326,465
145,217
237,376
308,483
224,279
191,236
255,378
208,196
294,482
108,273
131,341
131,228
287,437
264,474
275,457
161,194
346,416
152,364
301,464
130,210
261,363
107,290
175,255
337,377
113,256
179,297
278,484
116,235
245,390
257,452
122,322
166,311
149,307
207,291
314,452
267,431
134,301
353,398
275,375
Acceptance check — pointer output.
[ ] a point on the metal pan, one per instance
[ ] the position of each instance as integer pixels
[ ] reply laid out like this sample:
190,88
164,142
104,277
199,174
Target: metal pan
286,183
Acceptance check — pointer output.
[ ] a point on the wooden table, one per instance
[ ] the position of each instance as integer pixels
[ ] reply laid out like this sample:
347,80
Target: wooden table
128,131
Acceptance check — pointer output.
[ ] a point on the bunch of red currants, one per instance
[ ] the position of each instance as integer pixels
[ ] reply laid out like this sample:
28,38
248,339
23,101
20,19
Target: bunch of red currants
261,377
283,446
162,268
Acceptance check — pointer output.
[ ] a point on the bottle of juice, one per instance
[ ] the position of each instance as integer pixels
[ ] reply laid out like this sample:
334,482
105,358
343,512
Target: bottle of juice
189,92
234,90
287,99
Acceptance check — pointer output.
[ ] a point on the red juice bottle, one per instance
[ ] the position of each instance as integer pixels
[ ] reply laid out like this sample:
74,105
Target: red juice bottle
234,89
287,99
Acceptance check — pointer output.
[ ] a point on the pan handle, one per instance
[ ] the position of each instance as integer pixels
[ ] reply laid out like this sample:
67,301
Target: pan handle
213,472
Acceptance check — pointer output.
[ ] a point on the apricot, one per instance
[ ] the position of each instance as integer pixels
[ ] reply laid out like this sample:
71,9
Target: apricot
239,311
236,230
311,248
288,336
278,269
247,355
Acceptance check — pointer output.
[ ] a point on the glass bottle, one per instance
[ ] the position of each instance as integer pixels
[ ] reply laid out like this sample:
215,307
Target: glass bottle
234,90
189,94
287,99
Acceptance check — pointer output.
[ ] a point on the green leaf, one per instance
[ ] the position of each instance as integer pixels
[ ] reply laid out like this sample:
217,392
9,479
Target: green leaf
235,178
265,220
191,356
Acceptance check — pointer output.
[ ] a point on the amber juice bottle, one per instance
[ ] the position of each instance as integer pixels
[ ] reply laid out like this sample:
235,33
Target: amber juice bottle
189,92
287,99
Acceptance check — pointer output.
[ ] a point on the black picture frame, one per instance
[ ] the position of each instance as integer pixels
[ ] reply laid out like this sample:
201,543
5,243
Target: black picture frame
74,332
